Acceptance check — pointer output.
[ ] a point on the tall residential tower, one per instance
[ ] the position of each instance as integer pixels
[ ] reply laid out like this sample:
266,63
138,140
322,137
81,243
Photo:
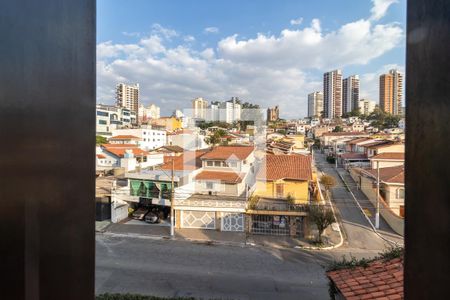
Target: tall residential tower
350,93
127,96
332,94
199,106
391,92
315,104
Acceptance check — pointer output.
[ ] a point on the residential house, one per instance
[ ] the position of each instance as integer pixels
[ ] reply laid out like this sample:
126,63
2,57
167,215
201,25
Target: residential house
328,138
387,159
152,187
218,196
124,139
392,192
188,139
149,138
170,124
279,203
126,156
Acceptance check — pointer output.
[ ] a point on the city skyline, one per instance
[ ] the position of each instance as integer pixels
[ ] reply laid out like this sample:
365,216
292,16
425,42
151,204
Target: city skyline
176,60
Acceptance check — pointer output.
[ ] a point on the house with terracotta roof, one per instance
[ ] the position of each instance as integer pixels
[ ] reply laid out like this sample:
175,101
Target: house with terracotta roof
124,139
387,159
383,146
148,137
152,187
282,194
392,192
217,198
126,156
379,279
190,140
328,138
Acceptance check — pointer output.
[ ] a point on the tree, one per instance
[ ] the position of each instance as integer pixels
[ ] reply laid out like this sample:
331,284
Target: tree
338,129
322,217
216,137
100,140
328,182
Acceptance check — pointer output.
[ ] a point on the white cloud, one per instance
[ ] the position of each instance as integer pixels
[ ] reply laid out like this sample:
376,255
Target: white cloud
380,8
354,43
131,34
297,21
165,32
189,38
268,69
211,30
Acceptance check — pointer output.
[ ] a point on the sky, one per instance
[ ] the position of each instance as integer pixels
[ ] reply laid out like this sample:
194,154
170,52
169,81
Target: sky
264,52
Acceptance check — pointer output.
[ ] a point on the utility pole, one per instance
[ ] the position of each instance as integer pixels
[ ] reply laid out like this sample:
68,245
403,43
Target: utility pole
336,154
377,214
172,202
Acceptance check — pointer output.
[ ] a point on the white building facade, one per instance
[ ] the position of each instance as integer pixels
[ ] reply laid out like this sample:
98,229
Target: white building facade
315,104
109,118
149,139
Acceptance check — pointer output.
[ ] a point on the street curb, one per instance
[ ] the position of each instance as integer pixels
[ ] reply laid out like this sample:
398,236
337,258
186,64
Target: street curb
362,211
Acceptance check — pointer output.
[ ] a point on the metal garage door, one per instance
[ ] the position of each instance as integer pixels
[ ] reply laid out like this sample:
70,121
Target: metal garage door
232,222
198,219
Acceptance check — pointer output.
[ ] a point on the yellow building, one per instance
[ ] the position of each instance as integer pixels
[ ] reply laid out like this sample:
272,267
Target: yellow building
284,177
298,140
170,123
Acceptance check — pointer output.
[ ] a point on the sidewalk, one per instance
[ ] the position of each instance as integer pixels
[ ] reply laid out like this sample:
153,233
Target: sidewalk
369,208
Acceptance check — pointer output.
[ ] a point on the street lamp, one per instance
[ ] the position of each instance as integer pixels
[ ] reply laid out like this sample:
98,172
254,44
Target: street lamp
377,214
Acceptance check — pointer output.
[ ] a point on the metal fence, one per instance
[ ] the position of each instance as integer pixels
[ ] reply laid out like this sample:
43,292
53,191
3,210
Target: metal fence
270,225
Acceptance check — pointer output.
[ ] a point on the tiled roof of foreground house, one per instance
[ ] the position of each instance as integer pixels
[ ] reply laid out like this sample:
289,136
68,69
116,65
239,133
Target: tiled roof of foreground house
389,174
353,155
189,160
226,177
295,167
381,279
229,152
390,155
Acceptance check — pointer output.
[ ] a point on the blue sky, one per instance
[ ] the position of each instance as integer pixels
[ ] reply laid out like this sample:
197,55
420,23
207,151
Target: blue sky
266,52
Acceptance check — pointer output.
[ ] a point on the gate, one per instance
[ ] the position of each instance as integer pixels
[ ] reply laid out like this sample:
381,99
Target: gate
232,221
198,219
270,225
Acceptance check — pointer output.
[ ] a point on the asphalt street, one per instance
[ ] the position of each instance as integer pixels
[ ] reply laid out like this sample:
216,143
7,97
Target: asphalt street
179,268
358,231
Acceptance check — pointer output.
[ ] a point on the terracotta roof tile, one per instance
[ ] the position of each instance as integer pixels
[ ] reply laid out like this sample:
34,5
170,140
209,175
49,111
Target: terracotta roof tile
229,152
389,174
227,177
120,149
124,137
295,167
353,155
344,133
189,160
390,155
372,282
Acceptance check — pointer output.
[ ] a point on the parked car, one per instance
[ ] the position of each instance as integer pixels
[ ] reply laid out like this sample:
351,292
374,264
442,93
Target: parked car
152,218
139,213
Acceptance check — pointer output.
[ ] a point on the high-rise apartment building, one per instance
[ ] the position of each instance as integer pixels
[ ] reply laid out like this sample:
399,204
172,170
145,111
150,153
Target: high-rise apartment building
127,96
366,106
199,106
391,92
332,94
350,93
273,114
315,104
230,111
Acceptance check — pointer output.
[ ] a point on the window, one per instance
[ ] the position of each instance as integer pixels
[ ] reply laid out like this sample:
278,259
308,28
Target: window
209,163
279,190
102,122
209,185
400,193
217,164
102,113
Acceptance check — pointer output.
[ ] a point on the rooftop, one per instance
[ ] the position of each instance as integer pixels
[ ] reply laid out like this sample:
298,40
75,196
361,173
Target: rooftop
124,137
295,167
120,149
351,133
389,175
379,280
226,177
229,152
389,156
189,160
